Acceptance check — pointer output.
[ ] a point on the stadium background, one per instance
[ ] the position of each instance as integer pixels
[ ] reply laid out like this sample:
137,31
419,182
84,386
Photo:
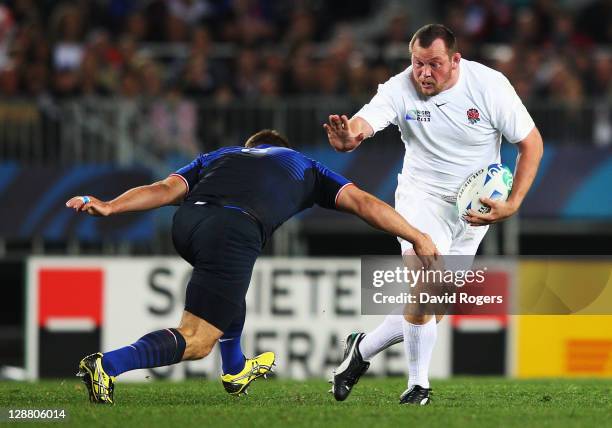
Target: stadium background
98,96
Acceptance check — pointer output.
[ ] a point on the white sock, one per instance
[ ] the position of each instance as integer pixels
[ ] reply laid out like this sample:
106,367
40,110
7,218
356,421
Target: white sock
419,341
386,334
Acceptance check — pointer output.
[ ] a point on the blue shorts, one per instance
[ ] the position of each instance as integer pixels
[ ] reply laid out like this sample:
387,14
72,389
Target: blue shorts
222,244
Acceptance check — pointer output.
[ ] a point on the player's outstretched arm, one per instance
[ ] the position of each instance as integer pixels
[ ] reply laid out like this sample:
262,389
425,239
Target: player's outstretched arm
165,192
346,135
382,216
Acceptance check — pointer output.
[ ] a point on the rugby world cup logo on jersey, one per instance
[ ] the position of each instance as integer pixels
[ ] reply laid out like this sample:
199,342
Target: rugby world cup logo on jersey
418,115
473,116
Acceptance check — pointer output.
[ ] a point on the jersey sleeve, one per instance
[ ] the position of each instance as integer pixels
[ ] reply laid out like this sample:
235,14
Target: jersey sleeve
190,173
510,116
380,111
329,185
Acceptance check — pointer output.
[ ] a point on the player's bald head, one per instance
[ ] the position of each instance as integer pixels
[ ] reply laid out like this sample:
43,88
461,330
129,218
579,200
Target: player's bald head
426,35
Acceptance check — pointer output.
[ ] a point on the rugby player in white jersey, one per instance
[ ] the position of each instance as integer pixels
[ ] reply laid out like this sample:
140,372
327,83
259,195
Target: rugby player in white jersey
452,114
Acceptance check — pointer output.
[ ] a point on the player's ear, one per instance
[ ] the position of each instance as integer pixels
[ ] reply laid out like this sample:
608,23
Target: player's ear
455,60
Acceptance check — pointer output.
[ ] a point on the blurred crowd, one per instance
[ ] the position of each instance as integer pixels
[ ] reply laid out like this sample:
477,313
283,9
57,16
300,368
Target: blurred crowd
260,49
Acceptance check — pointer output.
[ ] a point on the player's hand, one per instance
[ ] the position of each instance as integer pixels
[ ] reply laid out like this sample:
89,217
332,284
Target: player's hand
339,134
90,205
426,251
500,210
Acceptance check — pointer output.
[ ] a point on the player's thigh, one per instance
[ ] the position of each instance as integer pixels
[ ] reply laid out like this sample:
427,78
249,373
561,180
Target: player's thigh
467,241
426,214
465,245
222,268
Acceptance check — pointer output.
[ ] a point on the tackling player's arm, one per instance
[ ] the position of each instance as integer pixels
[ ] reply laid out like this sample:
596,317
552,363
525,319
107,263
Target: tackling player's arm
530,153
382,216
165,192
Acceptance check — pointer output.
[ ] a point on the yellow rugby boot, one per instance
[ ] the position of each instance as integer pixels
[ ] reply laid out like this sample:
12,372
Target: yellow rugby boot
99,384
256,367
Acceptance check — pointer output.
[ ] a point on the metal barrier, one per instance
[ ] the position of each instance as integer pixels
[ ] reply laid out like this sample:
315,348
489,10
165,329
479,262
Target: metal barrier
125,131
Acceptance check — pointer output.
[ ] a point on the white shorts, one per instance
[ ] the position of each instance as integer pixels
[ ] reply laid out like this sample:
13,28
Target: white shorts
438,218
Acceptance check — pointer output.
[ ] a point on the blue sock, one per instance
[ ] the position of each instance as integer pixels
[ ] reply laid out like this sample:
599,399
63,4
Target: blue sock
156,349
232,357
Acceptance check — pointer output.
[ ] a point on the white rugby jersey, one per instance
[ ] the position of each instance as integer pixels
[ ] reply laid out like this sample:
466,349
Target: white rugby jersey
450,135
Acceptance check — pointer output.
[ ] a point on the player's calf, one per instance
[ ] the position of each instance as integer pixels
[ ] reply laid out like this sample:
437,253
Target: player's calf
155,349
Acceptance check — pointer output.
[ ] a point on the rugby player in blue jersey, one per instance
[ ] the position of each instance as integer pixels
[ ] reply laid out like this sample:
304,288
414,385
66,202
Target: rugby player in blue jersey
231,201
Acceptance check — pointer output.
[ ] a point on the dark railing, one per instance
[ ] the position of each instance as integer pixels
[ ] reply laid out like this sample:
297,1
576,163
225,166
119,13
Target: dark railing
126,131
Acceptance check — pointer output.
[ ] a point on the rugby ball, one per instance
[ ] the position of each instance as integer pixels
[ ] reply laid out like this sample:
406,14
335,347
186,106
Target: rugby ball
493,182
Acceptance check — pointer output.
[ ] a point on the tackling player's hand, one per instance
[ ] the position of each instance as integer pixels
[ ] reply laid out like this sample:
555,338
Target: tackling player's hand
500,210
339,134
90,205
426,250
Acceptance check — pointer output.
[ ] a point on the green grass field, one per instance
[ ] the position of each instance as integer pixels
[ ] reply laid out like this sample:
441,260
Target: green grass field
457,402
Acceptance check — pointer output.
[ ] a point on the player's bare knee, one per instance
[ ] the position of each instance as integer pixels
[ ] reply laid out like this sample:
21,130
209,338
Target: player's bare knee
203,346
196,350
198,353
187,332
205,349
417,319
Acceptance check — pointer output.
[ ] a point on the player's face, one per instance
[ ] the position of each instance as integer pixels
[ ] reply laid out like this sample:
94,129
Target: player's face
432,68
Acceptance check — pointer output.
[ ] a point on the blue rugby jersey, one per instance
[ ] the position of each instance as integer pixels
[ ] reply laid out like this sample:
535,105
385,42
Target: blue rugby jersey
270,183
